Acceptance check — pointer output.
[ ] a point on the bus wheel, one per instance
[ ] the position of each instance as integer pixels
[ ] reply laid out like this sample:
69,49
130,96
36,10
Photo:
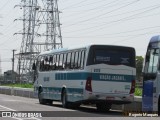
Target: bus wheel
159,106
103,107
64,99
40,97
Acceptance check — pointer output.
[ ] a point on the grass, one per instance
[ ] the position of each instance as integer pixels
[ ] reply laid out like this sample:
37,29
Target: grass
26,85
138,91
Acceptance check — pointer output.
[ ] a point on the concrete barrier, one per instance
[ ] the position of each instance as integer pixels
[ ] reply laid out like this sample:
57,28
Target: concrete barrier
23,92
28,92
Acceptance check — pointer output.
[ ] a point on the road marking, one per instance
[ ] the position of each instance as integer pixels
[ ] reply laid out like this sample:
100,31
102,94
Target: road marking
7,108
17,111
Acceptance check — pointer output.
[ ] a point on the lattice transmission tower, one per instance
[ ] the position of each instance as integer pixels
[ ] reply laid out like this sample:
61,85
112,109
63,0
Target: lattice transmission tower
37,16
49,19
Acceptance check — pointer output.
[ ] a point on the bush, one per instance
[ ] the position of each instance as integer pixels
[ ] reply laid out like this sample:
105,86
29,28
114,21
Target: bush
138,92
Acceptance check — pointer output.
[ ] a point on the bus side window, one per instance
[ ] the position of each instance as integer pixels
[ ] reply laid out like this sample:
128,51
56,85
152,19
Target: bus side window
46,63
64,60
53,66
50,62
57,61
42,64
39,63
82,59
72,60
76,60
79,59
67,64
60,64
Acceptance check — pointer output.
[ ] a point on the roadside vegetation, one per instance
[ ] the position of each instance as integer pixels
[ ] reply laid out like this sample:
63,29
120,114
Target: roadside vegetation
26,85
138,91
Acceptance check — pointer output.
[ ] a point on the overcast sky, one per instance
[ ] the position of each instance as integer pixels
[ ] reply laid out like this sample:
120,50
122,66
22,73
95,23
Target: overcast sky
115,22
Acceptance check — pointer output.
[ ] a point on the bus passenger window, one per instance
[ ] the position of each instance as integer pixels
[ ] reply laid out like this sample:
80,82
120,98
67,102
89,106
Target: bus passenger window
79,59
67,65
46,64
57,61
60,64
42,64
72,60
82,59
50,62
53,66
64,60
76,60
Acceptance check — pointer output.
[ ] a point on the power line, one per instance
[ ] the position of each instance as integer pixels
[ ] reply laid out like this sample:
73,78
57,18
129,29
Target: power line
104,35
115,21
93,9
74,5
124,13
97,17
134,36
97,7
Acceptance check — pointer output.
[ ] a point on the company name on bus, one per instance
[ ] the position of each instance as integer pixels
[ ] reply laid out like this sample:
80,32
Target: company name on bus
109,77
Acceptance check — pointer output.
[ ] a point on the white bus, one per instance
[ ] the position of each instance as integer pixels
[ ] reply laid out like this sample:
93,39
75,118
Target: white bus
94,74
151,77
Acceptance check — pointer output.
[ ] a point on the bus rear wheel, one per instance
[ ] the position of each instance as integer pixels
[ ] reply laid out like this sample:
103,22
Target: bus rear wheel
103,106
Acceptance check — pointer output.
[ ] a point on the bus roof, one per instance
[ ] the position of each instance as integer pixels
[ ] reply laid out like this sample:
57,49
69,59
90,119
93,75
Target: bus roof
74,48
155,39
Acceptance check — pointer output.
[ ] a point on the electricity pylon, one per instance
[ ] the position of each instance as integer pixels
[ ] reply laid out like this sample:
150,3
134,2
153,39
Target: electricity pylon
36,15
27,53
50,20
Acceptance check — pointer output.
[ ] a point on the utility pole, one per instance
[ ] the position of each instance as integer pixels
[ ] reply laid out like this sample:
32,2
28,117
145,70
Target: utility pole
13,64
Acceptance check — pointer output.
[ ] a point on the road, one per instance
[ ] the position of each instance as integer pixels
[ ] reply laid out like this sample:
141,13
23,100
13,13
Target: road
19,105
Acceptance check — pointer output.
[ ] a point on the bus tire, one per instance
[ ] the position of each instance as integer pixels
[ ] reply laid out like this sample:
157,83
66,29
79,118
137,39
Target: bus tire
159,106
40,96
64,100
103,106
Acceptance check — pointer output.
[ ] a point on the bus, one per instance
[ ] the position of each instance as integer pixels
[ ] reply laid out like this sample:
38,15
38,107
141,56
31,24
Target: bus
151,76
95,74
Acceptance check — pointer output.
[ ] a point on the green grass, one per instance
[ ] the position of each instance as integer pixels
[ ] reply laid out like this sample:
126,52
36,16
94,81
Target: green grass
26,85
138,92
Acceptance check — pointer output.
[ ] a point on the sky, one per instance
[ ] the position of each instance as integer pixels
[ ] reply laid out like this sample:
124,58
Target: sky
114,22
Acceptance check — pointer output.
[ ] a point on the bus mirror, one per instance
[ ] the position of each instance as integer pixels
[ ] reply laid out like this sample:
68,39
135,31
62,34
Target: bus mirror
34,66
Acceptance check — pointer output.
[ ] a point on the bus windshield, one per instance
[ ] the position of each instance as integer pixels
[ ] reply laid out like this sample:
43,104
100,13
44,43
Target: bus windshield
152,59
113,56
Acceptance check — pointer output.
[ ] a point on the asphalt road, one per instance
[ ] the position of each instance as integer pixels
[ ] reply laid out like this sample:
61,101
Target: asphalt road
21,106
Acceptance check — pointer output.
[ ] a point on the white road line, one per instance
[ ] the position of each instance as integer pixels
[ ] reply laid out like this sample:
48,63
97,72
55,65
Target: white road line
7,108
15,117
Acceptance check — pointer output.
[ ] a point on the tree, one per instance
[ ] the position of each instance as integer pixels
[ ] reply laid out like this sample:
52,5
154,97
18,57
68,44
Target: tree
139,66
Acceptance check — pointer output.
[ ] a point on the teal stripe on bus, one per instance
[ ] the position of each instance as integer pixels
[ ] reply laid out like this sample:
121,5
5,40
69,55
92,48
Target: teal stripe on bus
95,77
